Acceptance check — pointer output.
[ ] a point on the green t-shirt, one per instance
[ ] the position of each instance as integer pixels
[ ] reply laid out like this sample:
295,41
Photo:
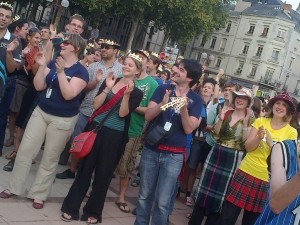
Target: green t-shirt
147,86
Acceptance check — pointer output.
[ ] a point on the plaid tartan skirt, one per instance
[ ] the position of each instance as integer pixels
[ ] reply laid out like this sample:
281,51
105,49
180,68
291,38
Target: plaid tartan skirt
219,167
247,192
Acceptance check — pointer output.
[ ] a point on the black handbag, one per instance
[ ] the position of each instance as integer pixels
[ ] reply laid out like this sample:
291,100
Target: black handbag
156,134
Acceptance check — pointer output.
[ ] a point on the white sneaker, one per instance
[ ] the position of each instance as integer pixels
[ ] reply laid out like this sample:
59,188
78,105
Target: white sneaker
188,201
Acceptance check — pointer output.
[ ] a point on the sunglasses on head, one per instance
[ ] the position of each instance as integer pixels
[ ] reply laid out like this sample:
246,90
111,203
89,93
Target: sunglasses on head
66,43
106,47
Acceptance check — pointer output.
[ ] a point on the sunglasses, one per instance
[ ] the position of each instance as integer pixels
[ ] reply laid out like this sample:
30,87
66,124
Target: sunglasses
106,47
66,43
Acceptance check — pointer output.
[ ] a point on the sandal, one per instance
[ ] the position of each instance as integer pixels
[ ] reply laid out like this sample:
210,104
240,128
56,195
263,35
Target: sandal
123,207
9,142
92,220
66,217
37,205
11,155
4,194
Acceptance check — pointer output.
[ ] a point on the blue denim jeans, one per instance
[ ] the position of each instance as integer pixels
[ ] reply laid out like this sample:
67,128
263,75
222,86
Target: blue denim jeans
4,107
159,173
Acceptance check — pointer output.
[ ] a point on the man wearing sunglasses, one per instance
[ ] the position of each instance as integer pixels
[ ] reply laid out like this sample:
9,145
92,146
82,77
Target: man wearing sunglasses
97,74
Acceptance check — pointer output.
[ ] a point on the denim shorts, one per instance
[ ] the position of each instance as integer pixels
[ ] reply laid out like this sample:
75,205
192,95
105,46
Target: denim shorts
199,152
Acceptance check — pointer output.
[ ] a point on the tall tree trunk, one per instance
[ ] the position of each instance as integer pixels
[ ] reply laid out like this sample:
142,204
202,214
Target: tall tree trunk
131,35
42,15
28,10
58,15
164,43
34,10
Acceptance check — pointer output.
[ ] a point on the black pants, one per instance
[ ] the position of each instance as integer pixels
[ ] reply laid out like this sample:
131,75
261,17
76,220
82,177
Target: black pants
231,212
198,215
104,157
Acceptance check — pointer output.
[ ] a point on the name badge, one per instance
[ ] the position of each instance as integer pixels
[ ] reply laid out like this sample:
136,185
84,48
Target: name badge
167,126
48,93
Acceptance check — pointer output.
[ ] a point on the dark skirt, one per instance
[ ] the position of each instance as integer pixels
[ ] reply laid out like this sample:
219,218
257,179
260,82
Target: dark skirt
219,167
247,192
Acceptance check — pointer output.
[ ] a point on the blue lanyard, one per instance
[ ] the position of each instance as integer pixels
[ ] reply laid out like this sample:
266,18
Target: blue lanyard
55,74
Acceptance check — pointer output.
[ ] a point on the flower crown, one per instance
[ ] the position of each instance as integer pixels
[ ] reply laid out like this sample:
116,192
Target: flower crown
110,42
90,45
155,55
136,57
7,5
16,18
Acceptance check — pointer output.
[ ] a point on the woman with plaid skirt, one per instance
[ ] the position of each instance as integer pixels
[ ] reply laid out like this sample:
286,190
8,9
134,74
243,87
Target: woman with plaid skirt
223,159
249,186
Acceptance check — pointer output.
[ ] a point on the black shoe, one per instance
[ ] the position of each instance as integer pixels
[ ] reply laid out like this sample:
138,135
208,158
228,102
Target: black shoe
9,166
134,211
66,174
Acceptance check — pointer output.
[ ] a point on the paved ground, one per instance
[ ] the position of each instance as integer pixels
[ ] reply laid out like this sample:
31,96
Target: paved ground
19,210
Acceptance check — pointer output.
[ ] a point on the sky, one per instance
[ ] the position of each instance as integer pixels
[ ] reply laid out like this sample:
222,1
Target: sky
294,3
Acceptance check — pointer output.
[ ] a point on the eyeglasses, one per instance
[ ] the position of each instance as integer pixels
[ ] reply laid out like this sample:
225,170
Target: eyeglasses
106,47
75,25
66,43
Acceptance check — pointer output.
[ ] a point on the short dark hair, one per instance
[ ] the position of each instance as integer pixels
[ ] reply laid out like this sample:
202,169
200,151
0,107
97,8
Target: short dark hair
156,61
209,80
8,8
77,17
168,73
193,69
18,23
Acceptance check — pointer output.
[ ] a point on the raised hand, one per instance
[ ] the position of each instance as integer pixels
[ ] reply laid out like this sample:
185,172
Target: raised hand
261,132
220,74
40,59
247,117
110,80
269,138
129,88
166,97
99,75
222,112
12,45
27,49
60,65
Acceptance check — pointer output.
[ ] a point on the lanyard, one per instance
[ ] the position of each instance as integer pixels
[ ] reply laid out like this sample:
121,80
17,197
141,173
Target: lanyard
55,74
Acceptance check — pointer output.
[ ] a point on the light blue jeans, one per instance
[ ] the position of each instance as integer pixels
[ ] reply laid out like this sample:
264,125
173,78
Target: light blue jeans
159,173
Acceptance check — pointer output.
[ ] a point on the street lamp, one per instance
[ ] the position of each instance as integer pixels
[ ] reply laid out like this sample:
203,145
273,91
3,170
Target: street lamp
286,78
63,4
207,58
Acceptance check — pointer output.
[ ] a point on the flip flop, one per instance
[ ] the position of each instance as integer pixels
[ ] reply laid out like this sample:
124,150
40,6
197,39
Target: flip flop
92,220
37,205
125,208
4,194
66,217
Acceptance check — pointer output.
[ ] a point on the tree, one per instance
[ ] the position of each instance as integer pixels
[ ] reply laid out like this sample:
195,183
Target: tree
181,20
134,11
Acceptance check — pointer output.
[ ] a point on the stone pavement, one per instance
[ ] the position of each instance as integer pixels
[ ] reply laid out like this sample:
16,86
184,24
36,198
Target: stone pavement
19,210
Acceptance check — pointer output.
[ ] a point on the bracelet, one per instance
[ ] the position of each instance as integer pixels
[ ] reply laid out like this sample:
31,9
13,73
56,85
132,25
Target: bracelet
105,92
23,57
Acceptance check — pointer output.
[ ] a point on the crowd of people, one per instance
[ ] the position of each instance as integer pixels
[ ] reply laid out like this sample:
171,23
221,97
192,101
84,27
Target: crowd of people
184,123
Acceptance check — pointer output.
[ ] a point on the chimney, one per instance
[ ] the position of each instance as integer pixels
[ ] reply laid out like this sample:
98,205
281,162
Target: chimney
286,7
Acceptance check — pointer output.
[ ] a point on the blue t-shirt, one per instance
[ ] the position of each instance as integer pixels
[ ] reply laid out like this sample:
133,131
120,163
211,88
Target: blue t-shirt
177,139
56,105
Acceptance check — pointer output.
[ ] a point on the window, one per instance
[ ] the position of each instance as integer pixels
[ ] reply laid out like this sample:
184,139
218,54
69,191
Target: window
240,67
246,48
269,74
253,71
228,26
259,51
251,29
275,54
223,45
281,34
198,56
265,32
219,60
202,42
259,1
291,62
213,42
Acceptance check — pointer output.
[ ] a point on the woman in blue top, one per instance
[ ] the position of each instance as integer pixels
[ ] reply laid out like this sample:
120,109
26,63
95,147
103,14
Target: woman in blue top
61,85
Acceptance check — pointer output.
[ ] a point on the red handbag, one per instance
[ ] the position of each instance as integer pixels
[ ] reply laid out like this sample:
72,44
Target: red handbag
83,143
